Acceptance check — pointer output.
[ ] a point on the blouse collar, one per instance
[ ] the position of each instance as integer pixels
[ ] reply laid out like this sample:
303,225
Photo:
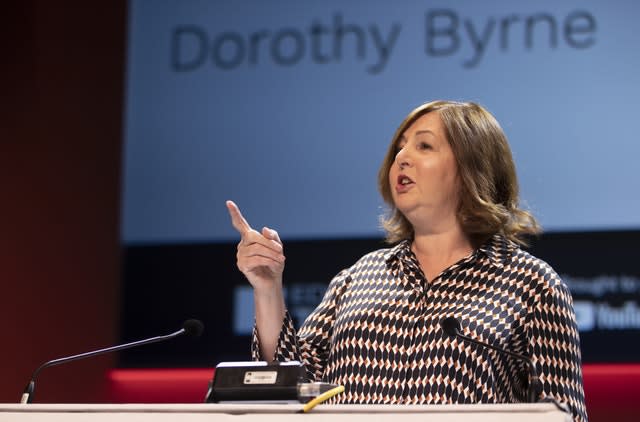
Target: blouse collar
498,249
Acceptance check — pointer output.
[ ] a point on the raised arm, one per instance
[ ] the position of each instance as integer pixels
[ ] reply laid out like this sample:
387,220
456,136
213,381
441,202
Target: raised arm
260,258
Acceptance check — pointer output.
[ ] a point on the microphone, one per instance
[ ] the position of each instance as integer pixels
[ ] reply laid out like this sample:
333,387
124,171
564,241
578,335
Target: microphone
190,328
451,327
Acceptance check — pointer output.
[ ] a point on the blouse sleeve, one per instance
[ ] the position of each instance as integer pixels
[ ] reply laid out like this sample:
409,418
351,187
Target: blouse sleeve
311,344
555,347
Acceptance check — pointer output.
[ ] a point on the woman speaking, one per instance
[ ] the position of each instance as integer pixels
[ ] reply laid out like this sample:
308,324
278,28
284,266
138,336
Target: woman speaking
455,230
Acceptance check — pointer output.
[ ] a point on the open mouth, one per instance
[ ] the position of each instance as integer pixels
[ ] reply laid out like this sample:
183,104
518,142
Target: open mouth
404,180
403,184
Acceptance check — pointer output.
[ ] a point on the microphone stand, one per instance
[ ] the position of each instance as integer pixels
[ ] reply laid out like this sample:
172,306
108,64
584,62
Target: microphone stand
190,327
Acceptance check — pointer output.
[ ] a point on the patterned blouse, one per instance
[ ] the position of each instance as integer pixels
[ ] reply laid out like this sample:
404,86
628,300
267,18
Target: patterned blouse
377,331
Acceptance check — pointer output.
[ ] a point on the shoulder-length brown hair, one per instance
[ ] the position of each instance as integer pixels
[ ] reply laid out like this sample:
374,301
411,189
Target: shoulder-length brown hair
487,174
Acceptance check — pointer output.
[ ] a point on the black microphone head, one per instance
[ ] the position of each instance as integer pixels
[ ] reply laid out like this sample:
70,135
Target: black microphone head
193,327
451,326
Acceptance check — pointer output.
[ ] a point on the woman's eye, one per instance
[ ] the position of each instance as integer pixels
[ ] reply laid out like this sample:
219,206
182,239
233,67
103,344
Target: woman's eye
424,145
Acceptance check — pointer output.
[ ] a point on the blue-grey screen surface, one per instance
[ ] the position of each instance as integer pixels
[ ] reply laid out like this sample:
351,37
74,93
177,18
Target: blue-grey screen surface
287,107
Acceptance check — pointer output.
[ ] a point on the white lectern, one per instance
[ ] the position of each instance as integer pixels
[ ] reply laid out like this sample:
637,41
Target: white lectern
539,412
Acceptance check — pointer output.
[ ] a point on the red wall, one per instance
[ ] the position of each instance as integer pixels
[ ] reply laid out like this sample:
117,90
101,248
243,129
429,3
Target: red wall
60,139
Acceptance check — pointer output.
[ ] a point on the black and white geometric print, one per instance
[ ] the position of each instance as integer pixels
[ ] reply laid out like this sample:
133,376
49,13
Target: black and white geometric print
377,331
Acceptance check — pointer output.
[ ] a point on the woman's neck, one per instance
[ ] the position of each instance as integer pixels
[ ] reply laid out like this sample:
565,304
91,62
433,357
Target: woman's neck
438,251
448,240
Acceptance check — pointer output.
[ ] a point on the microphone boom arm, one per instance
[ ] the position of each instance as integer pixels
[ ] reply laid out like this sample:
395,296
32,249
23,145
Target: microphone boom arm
106,350
191,327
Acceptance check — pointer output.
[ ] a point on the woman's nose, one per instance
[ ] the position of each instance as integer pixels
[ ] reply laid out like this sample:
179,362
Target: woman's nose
402,159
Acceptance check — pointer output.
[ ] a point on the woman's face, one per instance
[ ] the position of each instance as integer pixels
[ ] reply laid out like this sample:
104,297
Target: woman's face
424,177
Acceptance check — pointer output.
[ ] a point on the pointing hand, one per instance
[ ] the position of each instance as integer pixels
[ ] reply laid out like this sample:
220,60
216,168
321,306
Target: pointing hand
260,254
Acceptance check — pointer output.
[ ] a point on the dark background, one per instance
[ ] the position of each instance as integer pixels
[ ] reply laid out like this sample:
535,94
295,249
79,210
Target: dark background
174,280
60,136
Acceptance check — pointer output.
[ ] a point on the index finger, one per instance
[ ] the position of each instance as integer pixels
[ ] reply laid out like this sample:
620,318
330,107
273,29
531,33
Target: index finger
237,220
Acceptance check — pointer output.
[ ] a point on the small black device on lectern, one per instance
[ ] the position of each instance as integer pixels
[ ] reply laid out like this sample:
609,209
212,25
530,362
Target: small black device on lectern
276,382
